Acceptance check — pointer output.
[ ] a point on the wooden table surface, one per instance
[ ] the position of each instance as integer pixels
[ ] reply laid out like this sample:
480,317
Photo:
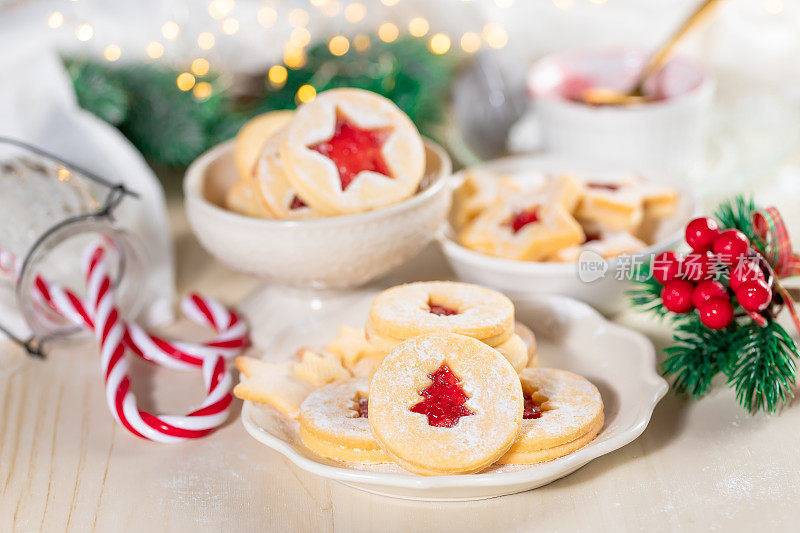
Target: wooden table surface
65,464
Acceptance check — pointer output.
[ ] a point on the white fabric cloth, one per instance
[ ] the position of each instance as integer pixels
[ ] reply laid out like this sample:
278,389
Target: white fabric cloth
38,106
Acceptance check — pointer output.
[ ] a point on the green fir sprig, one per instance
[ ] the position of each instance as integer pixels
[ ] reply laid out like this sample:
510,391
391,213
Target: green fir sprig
763,367
699,354
646,294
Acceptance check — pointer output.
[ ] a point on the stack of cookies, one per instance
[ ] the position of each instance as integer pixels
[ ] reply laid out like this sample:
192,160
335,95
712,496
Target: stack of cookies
347,151
532,217
440,381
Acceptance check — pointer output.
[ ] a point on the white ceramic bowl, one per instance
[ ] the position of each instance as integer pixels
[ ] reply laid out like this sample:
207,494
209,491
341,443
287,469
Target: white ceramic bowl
332,252
669,135
569,335
521,279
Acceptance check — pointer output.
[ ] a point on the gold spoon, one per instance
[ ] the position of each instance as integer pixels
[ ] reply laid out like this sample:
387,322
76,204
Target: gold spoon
606,96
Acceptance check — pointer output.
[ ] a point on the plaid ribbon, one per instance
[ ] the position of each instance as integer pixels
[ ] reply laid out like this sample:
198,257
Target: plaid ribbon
771,231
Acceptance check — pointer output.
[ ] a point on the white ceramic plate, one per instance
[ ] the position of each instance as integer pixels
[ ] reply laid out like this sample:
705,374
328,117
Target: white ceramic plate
570,335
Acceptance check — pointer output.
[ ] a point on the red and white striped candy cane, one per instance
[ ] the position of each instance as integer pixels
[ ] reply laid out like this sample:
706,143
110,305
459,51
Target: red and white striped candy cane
99,313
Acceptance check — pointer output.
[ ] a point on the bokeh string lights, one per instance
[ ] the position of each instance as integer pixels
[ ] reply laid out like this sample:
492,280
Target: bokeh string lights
226,16
225,19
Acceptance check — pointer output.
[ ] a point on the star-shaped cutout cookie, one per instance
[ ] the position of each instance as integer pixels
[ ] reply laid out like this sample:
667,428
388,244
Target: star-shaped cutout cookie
351,345
319,369
271,383
354,149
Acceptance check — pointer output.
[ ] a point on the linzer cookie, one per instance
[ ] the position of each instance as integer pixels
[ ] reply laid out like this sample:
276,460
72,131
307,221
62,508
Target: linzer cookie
251,138
334,423
347,151
555,219
659,201
274,190
563,412
413,309
350,150
531,232
445,404
613,205
480,191
606,244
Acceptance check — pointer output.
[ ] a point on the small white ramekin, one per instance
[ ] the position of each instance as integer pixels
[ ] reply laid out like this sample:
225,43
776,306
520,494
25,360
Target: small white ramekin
669,136
333,252
524,279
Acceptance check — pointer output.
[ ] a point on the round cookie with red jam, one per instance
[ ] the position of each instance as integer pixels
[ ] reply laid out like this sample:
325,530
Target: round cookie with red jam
334,423
406,311
350,151
275,191
563,412
445,404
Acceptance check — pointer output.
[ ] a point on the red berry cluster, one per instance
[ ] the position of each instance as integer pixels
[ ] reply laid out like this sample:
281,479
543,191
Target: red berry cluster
686,280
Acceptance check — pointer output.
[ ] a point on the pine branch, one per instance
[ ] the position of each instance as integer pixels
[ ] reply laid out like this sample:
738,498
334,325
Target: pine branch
173,127
764,368
646,294
737,213
99,90
699,354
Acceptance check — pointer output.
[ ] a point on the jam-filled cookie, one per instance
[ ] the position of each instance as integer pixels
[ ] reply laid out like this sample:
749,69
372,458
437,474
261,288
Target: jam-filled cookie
445,404
350,150
659,201
482,190
563,412
606,244
531,232
273,187
613,205
334,423
251,138
409,310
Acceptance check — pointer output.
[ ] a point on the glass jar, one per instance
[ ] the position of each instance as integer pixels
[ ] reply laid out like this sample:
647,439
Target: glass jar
51,211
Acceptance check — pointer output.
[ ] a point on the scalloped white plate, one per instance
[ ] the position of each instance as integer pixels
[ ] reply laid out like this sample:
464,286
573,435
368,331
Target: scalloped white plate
570,335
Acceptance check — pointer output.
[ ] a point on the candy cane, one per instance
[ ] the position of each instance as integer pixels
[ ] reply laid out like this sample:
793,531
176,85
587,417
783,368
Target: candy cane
98,312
